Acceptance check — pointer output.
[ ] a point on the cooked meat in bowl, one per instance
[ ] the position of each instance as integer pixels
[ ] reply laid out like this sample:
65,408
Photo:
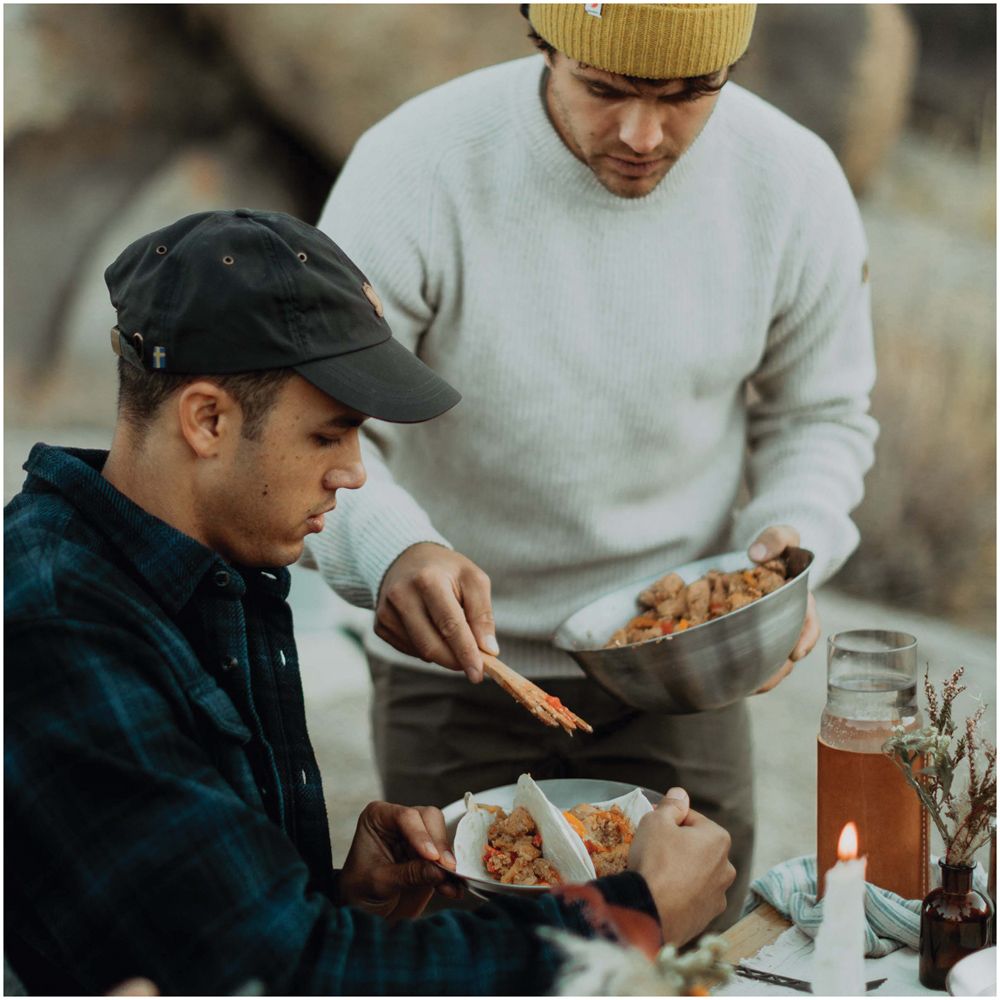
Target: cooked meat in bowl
673,606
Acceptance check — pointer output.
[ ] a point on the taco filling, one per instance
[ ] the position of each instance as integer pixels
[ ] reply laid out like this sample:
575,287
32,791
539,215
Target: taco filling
513,852
606,833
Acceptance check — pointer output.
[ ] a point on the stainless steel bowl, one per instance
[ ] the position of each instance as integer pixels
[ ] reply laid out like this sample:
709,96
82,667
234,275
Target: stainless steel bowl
704,667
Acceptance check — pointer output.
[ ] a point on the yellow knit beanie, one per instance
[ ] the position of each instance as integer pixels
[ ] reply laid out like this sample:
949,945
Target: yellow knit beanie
650,40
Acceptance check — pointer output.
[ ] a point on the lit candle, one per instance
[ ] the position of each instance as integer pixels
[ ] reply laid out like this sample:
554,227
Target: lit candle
839,961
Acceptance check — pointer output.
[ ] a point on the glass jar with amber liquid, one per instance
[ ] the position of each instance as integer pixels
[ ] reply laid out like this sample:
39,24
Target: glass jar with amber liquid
871,689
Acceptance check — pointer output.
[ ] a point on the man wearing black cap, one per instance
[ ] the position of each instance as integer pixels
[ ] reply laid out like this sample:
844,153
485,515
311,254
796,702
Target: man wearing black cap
164,812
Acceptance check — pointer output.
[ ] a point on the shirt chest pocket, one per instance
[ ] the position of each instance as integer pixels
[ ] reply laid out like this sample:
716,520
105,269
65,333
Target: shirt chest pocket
225,738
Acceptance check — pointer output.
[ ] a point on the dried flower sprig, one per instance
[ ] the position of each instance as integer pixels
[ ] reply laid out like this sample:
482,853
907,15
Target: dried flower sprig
929,759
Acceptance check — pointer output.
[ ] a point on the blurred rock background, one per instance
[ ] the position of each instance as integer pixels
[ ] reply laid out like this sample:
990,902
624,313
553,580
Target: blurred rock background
122,118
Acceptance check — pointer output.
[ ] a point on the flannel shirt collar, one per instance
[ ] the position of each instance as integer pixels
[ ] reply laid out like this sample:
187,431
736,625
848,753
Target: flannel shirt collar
172,563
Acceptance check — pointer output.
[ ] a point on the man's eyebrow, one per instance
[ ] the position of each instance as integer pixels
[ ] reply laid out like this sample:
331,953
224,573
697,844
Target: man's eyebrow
629,89
611,88
345,422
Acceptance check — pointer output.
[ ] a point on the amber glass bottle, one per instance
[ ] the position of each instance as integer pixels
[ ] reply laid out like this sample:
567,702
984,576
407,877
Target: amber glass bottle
954,922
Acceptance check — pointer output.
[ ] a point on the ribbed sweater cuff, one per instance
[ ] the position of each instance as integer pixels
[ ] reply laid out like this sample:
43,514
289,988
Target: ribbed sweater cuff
373,543
831,540
385,545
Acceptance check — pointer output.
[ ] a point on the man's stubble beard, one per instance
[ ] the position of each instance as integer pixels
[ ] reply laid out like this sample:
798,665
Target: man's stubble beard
627,190
615,185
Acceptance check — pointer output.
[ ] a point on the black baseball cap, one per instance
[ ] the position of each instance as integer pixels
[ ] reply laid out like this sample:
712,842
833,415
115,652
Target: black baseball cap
218,293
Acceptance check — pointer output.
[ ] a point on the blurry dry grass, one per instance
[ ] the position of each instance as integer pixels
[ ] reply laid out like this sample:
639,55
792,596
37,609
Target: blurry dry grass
928,522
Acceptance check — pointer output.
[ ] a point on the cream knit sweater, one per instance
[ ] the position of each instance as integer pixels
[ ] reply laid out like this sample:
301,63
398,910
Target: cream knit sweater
604,348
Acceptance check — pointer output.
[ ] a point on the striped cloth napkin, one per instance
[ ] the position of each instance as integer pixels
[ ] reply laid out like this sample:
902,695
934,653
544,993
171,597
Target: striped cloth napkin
893,922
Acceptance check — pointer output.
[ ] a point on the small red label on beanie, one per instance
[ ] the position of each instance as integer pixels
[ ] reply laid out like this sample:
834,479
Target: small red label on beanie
594,9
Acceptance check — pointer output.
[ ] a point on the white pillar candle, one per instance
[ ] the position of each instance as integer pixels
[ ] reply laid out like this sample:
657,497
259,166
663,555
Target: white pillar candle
839,959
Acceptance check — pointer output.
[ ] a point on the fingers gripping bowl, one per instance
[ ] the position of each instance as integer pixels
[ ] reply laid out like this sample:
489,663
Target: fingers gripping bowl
704,667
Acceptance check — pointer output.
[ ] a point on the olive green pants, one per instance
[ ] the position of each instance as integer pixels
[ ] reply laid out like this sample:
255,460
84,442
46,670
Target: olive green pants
437,737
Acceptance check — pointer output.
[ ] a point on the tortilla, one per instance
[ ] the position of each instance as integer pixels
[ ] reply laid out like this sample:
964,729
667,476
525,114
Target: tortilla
561,846
470,836
634,805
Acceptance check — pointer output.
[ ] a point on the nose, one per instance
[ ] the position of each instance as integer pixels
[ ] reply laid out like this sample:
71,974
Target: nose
349,472
640,128
345,477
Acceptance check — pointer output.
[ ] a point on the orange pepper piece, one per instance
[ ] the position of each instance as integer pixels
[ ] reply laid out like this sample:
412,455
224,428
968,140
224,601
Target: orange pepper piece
578,828
643,621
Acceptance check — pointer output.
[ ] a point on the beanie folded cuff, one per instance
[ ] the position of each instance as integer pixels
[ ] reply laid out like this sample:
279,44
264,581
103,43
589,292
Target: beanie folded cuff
661,41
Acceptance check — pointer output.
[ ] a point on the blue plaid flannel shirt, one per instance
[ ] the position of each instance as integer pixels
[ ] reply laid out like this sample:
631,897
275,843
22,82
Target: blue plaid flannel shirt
164,812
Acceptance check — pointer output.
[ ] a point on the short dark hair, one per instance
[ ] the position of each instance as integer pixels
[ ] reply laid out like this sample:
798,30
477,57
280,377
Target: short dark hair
141,393
697,86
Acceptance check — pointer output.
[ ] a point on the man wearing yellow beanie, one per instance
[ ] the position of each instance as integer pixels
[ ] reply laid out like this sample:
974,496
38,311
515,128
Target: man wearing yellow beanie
649,56
650,287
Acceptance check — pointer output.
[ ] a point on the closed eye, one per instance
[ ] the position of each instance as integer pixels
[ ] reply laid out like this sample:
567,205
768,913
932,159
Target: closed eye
684,97
596,90
325,441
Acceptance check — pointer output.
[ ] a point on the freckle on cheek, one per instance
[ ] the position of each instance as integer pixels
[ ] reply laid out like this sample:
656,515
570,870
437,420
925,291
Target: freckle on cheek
263,492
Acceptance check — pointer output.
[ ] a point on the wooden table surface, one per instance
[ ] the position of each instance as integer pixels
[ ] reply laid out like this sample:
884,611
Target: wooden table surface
747,936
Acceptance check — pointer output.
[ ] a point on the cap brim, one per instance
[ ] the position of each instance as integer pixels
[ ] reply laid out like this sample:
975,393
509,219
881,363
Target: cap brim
385,381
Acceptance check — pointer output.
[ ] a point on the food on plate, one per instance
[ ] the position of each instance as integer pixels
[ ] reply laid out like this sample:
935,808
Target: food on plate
537,845
606,834
494,845
673,606
513,852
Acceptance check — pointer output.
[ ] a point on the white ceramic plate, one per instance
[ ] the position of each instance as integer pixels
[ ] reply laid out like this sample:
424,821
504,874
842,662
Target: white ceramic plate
975,975
564,793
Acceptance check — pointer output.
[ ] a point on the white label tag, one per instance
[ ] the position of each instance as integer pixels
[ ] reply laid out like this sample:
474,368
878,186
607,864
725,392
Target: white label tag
593,9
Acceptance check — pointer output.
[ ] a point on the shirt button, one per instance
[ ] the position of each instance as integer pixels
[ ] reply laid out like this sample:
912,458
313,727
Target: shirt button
229,663
222,578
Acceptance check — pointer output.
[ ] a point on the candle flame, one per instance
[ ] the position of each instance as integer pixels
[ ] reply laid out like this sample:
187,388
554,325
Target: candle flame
847,846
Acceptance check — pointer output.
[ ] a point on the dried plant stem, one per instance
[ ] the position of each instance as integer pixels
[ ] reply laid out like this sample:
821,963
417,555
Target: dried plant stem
930,759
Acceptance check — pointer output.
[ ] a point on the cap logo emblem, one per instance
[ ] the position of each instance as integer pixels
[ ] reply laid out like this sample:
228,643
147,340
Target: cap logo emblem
373,299
593,9
159,357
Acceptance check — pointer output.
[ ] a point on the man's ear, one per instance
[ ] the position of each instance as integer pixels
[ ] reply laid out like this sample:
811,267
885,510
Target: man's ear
207,415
